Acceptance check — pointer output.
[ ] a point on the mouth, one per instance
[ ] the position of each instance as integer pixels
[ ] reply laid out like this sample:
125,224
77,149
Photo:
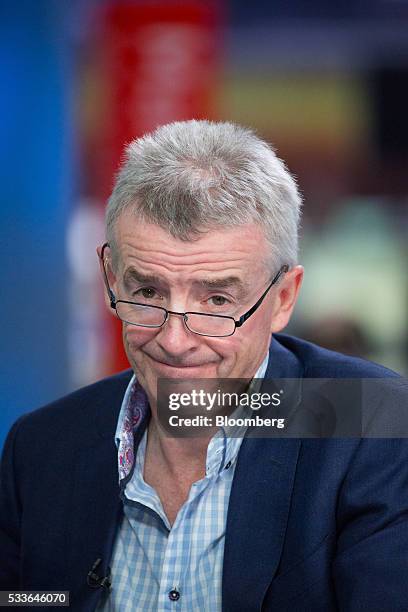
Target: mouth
171,370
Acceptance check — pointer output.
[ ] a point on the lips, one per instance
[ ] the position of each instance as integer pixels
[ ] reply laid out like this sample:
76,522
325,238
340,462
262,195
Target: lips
172,369
178,366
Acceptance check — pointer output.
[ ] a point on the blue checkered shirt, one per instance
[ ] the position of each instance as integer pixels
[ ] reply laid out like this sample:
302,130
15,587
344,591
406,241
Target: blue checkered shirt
152,558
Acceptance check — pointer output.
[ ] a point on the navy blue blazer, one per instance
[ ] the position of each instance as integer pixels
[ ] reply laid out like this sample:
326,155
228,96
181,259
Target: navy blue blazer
313,524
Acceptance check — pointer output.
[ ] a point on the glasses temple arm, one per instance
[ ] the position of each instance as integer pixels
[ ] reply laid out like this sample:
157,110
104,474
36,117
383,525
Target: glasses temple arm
251,311
111,295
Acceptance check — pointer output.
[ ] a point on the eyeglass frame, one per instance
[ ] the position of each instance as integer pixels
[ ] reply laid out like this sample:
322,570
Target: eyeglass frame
238,323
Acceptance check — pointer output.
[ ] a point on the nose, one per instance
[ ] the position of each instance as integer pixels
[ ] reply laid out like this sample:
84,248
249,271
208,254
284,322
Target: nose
174,337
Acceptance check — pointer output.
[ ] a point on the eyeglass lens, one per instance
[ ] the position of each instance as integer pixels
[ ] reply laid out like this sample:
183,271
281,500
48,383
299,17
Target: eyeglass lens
149,316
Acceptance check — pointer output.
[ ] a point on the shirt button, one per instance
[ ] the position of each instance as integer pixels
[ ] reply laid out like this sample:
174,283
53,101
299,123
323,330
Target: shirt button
174,595
228,465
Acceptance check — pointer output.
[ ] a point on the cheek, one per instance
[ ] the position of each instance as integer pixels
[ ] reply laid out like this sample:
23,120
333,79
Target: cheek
224,346
134,338
252,341
227,349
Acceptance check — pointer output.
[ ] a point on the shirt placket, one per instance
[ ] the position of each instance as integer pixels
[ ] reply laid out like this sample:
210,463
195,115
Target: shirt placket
173,592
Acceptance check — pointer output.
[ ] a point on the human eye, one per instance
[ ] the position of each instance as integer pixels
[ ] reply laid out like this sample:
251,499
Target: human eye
147,293
218,301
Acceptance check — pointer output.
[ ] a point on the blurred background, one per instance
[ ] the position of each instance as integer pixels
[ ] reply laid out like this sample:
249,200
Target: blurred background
326,84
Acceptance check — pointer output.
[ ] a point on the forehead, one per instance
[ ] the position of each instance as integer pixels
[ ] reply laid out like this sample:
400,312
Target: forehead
238,251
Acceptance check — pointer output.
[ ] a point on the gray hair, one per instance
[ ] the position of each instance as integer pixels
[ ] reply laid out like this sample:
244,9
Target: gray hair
192,176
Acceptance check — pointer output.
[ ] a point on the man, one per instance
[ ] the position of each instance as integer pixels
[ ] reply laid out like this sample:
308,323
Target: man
201,267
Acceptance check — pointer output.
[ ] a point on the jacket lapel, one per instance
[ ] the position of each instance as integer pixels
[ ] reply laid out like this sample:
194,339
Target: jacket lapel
259,505
96,509
256,522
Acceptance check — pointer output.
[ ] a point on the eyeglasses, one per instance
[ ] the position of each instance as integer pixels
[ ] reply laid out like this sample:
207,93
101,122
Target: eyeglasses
203,324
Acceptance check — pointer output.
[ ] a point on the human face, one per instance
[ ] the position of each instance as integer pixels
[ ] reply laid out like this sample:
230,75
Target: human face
224,271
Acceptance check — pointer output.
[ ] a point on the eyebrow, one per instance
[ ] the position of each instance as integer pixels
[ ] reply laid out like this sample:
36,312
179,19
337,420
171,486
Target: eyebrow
133,275
226,282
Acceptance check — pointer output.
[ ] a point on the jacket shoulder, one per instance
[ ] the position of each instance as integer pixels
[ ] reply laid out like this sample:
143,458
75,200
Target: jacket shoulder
318,362
95,406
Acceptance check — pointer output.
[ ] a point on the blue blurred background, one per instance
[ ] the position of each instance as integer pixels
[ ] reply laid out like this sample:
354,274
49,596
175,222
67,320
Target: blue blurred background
326,84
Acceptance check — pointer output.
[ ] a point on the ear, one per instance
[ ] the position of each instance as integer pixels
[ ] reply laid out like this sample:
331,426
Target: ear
285,299
108,277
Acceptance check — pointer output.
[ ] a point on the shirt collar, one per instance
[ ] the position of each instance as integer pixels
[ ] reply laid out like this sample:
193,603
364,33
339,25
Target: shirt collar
134,414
